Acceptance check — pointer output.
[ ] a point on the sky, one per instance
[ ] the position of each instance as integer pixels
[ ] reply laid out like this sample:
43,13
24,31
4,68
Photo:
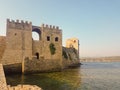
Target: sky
96,23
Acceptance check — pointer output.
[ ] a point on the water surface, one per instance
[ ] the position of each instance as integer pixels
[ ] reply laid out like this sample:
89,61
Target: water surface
90,76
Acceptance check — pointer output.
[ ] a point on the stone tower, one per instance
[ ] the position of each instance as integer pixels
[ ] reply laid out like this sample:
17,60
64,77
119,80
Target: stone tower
52,35
18,42
73,42
20,50
48,35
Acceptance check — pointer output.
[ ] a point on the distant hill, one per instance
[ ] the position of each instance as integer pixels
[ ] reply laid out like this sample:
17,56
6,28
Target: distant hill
110,58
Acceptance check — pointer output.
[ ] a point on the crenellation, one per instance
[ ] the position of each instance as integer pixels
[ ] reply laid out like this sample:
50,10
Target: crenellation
51,27
17,21
22,25
30,23
22,21
13,21
57,27
26,22
42,25
8,20
47,26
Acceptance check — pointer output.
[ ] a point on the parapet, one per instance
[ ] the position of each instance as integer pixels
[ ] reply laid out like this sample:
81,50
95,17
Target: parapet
50,26
22,25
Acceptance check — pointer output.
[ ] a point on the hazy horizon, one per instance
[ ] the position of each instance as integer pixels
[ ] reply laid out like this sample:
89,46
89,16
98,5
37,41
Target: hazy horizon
96,23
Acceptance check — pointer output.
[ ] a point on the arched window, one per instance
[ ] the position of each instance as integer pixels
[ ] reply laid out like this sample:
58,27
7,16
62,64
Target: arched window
56,39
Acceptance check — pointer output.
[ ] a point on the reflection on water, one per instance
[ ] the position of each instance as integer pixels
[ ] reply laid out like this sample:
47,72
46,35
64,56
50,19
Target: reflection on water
90,76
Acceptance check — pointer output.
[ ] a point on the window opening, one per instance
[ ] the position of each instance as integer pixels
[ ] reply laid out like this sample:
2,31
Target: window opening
56,39
48,38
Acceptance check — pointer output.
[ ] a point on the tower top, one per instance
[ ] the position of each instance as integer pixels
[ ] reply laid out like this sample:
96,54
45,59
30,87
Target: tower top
49,26
19,24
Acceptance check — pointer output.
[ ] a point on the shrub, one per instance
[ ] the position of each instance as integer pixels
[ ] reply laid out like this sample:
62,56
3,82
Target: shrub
52,48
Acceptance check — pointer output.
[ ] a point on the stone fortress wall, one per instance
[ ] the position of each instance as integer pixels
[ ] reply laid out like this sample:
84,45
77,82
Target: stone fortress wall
3,84
2,46
18,42
21,53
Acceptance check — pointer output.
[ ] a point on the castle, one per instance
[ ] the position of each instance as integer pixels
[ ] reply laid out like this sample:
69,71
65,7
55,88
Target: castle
20,53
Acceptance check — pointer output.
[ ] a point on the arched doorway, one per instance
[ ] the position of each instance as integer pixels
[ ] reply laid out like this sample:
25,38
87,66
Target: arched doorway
37,55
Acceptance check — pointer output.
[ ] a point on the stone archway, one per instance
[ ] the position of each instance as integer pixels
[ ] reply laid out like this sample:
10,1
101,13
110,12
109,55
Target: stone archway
36,34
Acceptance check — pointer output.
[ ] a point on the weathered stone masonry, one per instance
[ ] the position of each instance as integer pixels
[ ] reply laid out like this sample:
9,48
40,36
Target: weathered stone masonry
20,53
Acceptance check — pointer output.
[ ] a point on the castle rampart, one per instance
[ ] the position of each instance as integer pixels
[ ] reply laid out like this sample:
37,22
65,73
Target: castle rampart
49,26
20,25
46,54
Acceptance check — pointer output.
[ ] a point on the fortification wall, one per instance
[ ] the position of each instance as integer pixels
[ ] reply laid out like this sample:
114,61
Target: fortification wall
70,58
20,25
19,49
2,46
37,48
41,66
3,84
18,42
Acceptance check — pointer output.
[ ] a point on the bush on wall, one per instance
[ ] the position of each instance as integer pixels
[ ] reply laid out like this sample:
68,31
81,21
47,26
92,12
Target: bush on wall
52,48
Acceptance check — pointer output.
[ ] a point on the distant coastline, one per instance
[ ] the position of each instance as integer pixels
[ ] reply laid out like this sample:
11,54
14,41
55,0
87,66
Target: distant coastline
101,59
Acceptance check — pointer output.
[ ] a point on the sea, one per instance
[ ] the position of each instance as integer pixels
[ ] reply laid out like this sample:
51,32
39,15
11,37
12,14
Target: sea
89,76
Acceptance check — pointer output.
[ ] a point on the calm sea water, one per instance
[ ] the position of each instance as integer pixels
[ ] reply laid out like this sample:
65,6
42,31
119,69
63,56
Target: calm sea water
90,76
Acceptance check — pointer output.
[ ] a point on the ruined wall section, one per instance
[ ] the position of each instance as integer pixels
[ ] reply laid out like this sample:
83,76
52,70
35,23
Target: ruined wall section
52,34
18,42
73,43
70,57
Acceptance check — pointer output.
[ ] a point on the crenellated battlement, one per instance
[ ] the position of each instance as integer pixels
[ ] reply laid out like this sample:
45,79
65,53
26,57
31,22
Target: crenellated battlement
50,26
19,24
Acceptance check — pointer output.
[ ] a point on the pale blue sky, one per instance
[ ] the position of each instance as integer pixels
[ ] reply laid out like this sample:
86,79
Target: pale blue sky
96,23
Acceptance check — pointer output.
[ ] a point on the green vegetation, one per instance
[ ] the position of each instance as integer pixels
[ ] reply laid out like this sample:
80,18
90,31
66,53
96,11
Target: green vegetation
52,48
